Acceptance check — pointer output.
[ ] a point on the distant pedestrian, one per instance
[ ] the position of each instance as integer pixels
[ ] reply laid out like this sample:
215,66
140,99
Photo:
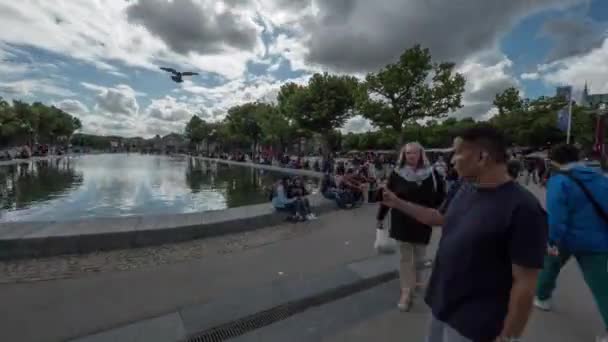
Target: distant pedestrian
414,180
577,206
491,249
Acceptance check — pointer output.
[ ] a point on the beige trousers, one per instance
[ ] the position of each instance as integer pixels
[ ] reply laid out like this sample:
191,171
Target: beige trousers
411,255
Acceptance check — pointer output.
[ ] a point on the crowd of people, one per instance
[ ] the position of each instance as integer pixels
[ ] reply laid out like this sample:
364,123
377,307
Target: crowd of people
500,252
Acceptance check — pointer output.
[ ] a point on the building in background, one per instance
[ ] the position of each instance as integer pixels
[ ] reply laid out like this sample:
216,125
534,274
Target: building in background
592,101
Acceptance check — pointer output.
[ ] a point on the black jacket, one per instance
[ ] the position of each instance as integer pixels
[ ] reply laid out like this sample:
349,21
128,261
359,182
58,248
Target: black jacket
428,193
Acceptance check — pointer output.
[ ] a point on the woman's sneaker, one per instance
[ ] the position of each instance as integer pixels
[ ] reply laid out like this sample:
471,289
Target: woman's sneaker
544,305
311,217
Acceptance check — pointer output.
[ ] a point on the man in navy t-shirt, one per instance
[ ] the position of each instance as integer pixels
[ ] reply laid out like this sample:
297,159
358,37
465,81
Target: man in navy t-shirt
491,249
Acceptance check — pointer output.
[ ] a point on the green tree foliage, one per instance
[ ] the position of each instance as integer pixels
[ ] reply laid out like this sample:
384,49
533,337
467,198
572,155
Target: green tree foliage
276,130
196,130
414,88
509,101
242,120
22,123
322,106
534,122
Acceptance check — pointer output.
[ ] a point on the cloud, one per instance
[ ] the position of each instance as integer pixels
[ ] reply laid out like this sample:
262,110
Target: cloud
120,99
72,106
31,87
487,74
530,76
217,100
364,35
189,26
591,68
169,109
573,36
357,124
100,33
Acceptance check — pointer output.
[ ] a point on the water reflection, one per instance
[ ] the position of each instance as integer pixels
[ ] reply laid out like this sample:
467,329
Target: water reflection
25,184
240,185
125,184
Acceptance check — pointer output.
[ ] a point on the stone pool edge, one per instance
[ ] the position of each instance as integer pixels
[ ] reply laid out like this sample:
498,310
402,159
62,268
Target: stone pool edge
38,239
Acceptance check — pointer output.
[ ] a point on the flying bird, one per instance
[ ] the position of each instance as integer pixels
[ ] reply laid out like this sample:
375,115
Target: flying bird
177,76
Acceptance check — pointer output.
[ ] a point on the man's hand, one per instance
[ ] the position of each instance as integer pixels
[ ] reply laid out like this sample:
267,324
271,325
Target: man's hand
552,251
389,199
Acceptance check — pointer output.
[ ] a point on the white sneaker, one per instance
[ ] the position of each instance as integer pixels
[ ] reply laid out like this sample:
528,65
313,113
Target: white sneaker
311,217
544,305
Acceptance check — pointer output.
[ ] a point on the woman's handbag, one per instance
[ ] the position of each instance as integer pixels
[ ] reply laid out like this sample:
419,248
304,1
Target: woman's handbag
384,244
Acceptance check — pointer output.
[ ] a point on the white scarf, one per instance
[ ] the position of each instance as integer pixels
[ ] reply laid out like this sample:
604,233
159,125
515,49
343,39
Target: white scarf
411,174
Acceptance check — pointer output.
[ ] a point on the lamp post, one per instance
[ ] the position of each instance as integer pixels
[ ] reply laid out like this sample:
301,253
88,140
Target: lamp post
600,131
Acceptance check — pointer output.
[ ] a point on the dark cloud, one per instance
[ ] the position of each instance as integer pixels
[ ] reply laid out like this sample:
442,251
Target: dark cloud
364,35
573,36
186,26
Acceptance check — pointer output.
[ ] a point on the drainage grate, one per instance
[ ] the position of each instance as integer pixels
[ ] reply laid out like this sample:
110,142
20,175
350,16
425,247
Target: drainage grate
261,319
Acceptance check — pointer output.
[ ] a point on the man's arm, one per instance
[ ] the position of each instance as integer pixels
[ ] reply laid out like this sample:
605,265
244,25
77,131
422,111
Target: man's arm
425,215
520,303
527,245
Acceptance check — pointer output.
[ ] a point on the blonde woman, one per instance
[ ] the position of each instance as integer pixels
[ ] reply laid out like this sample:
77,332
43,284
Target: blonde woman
414,180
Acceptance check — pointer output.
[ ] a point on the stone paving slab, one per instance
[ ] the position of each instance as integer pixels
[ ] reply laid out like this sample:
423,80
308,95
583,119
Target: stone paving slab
240,303
166,328
248,301
90,303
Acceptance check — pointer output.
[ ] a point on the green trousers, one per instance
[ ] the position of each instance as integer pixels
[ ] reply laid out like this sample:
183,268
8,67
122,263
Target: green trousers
594,267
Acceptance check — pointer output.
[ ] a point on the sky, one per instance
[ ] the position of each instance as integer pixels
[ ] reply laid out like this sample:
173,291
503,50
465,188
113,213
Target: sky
99,59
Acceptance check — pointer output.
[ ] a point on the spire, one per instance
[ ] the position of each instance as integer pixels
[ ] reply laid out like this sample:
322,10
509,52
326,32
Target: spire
586,90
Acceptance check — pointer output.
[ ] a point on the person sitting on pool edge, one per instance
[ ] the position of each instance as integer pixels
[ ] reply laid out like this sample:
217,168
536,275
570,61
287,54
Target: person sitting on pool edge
296,206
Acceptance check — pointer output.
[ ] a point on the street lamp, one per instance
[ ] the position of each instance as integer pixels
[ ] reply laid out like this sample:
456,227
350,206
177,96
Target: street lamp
602,113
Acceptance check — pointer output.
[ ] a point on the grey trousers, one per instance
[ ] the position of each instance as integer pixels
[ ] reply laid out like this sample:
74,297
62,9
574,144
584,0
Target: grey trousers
441,332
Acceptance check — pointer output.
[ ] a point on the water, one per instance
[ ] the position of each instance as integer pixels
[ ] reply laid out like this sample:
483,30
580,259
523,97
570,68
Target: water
126,184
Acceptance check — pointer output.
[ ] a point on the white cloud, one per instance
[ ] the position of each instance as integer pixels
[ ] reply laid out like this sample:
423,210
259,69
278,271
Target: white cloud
30,87
530,76
218,99
72,106
118,100
591,67
487,74
169,109
357,124
99,32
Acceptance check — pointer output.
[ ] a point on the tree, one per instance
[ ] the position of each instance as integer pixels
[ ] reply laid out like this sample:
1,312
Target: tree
196,130
412,89
243,120
509,101
321,106
276,129
351,141
24,123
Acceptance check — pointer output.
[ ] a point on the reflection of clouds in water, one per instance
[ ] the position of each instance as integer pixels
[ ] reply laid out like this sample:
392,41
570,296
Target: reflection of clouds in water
117,185
114,185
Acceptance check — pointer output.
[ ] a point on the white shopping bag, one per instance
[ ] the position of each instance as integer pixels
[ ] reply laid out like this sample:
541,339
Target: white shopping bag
384,244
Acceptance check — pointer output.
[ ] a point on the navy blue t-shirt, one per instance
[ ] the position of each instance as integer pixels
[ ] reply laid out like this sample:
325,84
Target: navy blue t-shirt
485,232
